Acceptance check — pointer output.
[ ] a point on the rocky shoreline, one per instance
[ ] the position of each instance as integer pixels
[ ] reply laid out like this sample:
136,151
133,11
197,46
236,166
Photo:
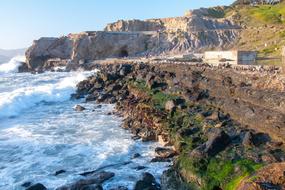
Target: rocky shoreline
215,146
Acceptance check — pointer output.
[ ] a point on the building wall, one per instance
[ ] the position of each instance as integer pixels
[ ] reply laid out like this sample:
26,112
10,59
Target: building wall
232,57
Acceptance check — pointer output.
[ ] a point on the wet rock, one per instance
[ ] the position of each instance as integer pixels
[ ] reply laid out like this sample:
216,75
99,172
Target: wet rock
92,187
98,106
79,108
165,152
37,186
160,159
120,188
94,178
59,172
147,182
91,97
26,184
139,167
136,155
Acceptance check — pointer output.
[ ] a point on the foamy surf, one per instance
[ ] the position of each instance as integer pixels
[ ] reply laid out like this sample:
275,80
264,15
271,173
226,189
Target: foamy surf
14,102
12,65
48,135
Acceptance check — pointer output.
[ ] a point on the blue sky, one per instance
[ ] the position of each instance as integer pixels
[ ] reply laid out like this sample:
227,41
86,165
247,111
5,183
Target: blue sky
22,21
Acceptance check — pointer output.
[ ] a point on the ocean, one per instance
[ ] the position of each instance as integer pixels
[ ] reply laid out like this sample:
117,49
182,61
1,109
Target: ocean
41,133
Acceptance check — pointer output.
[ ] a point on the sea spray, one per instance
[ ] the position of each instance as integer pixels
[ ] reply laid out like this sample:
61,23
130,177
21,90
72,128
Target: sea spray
13,65
12,103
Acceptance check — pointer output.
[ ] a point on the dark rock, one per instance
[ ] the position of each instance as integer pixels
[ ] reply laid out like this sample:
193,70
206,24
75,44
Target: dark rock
165,152
92,187
26,184
37,186
218,140
139,167
59,172
136,155
120,188
79,108
91,97
98,106
160,159
186,132
94,178
147,183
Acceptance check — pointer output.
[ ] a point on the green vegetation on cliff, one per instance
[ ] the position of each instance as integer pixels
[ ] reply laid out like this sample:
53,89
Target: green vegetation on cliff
263,27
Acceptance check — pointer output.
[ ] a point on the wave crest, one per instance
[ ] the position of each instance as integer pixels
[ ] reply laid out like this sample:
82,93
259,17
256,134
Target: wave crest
13,65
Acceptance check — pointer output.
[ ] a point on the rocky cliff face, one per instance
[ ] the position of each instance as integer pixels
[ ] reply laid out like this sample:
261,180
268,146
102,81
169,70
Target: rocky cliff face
190,33
193,21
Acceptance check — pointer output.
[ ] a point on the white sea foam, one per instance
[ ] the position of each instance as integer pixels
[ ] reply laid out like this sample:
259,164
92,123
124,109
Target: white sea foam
12,65
14,102
48,135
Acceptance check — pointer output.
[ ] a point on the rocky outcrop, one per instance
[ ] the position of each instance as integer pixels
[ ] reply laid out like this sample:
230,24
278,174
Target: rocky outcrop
184,106
76,49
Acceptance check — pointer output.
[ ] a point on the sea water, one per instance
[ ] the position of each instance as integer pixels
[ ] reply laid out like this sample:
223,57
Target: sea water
41,133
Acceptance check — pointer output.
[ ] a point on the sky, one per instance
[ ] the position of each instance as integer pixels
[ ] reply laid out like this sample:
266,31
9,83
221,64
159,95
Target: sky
22,21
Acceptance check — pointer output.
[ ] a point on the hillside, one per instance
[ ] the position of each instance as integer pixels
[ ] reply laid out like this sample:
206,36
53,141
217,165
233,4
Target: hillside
263,27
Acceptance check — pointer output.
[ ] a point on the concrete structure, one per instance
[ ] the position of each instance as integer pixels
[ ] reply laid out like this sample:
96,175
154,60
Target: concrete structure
234,57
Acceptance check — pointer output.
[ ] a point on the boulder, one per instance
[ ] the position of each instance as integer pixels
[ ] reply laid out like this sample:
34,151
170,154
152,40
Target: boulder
136,155
120,188
165,152
37,186
218,140
59,172
79,108
27,184
93,179
147,182
92,187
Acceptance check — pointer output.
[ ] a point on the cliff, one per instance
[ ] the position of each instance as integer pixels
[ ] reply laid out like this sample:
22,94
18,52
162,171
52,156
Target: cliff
192,32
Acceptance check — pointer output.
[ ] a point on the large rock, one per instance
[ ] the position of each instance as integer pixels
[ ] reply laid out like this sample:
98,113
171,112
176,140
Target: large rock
37,186
218,140
91,182
147,183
